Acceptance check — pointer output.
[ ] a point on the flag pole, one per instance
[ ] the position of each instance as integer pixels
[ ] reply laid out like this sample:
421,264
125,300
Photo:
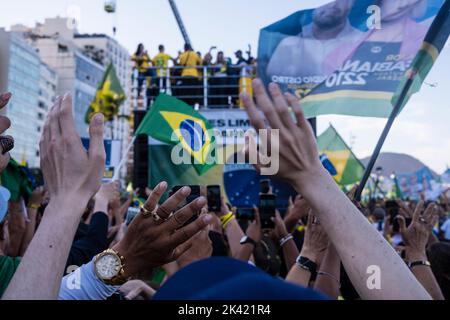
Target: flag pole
384,134
122,161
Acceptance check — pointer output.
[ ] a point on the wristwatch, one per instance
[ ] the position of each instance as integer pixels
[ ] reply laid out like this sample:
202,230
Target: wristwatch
108,266
246,239
307,264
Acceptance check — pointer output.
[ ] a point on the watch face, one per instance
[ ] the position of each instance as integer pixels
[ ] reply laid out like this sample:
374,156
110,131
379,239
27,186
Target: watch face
243,239
108,266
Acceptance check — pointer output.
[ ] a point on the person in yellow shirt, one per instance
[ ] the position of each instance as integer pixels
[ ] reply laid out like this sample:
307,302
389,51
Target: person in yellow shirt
190,87
142,63
161,61
190,60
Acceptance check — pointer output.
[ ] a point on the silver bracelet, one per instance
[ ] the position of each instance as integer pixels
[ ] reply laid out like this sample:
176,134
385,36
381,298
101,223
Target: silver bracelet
330,275
286,239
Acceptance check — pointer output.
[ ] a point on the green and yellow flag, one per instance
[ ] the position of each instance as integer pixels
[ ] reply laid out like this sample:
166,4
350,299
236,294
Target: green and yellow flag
108,98
432,46
349,169
174,122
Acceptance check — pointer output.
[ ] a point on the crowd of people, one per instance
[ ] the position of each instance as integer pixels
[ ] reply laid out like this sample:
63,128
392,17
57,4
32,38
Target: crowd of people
190,72
75,238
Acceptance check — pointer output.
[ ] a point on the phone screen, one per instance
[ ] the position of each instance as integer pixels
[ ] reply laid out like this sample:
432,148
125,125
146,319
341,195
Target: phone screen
267,203
214,200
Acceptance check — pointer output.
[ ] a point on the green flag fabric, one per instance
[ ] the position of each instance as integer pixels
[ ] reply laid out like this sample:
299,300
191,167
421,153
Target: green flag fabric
349,169
174,122
108,98
432,46
15,179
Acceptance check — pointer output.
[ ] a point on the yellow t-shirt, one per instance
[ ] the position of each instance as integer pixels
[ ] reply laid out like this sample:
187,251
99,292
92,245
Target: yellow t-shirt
142,62
190,59
161,60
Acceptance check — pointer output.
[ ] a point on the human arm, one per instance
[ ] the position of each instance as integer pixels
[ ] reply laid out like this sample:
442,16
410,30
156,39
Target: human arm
290,251
415,237
314,246
253,232
72,177
357,243
329,275
232,229
35,201
17,227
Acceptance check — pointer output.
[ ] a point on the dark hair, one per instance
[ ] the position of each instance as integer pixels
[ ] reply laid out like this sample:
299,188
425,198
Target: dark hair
439,257
160,47
140,49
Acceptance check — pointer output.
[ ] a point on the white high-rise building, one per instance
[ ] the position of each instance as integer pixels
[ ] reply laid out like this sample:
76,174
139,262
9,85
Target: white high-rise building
33,85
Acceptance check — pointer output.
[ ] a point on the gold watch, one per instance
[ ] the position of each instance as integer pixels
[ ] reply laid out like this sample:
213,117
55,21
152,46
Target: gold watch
108,267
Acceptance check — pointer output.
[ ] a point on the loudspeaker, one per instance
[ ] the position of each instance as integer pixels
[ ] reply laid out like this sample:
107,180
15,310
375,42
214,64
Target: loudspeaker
140,159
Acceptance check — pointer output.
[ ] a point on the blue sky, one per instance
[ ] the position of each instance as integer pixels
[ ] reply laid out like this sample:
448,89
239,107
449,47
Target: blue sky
422,130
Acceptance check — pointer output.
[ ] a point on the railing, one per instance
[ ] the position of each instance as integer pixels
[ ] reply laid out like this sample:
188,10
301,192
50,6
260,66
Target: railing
213,87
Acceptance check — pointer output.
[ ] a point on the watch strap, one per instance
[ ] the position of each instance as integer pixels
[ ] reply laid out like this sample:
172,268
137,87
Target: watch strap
307,264
419,263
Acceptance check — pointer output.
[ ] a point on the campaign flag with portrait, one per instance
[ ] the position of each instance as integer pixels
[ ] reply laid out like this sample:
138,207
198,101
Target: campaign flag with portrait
350,57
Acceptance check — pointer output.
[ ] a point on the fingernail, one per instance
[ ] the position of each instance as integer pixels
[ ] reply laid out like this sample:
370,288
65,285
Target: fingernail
185,191
207,218
98,119
163,185
201,201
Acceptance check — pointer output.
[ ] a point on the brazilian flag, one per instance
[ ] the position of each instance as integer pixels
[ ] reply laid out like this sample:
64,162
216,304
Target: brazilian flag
432,46
174,122
108,98
349,169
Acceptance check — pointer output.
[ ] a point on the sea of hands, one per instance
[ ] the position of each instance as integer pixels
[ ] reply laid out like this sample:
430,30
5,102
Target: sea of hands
73,176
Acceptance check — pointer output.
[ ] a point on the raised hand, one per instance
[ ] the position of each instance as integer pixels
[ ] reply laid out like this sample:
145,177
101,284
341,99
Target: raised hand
37,197
298,158
151,241
6,142
134,289
197,248
280,230
71,172
72,177
316,239
108,192
416,235
254,231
